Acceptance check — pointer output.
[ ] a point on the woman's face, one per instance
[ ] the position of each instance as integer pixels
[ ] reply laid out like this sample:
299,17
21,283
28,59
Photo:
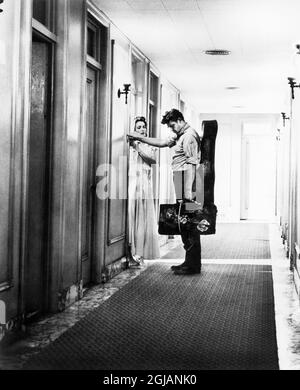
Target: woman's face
141,128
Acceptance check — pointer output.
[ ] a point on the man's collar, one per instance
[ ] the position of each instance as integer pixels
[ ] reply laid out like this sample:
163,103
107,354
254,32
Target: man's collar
183,130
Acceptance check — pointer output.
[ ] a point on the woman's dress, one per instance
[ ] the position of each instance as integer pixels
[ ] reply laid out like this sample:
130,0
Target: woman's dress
142,221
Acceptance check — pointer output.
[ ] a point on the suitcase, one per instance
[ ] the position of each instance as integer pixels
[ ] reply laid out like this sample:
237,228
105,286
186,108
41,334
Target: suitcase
178,218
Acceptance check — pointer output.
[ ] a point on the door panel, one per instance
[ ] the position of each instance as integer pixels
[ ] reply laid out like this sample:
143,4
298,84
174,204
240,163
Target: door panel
117,201
37,181
88,176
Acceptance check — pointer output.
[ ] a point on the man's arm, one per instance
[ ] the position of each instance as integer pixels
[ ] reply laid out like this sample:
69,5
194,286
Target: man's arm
190,147
189,177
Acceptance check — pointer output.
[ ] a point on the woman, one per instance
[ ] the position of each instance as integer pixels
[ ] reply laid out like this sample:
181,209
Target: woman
143,234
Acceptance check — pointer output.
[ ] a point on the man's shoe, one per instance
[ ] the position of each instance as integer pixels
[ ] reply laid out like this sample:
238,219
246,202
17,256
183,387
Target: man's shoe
188,271
177,267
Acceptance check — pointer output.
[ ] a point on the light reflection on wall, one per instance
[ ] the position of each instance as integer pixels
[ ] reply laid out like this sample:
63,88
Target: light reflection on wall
2,53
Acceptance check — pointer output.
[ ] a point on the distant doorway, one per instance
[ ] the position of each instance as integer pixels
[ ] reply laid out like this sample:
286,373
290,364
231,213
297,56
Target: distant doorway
258,181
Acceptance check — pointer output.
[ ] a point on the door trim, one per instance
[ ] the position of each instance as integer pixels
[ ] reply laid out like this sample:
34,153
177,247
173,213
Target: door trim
48,182
93,218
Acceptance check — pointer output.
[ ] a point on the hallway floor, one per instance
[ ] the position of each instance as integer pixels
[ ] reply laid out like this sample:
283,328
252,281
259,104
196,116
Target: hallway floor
287,309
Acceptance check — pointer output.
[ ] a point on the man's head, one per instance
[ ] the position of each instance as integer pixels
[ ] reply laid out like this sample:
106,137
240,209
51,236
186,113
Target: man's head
173,119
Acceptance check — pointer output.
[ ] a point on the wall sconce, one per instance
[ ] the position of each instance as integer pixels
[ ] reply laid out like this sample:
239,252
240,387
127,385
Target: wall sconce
298,48
278,135
125,91
293,85
284,117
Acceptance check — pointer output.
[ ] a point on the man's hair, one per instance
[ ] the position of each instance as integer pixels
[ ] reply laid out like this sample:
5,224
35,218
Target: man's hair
172,115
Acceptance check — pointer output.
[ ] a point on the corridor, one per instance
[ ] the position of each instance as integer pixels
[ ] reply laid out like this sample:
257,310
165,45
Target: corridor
125,124
43,332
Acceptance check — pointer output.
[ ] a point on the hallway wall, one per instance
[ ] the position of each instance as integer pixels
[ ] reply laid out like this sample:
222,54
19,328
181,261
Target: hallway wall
290,184
74,67
60,258
15,26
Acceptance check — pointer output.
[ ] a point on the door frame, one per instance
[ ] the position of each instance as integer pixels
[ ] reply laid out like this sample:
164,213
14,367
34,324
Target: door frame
91,139
41,32
101,136
245,174
244,178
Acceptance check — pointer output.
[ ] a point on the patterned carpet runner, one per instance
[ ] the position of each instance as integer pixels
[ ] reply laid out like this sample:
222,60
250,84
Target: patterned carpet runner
232,241
222,319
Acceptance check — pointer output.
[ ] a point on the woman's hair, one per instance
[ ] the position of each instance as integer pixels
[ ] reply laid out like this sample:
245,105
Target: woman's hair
172,115
140,119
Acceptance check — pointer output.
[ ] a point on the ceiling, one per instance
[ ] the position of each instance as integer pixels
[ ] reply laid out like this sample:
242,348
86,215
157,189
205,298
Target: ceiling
260,34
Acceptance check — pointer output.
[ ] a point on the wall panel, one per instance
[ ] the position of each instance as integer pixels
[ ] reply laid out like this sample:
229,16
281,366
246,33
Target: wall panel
7,89
75,77
15,46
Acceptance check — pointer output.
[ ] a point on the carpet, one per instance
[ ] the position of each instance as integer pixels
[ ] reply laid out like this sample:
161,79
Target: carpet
232,241
222,319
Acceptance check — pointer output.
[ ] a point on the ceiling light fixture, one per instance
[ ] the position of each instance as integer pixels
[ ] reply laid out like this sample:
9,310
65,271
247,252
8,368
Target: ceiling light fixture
232,88
217,52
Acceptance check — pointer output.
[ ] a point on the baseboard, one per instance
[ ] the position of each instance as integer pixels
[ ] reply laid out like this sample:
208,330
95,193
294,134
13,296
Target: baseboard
296,281
69,295
296,276
113,269
11,327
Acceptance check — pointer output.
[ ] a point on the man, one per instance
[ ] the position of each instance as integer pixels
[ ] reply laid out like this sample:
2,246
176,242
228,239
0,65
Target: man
185,160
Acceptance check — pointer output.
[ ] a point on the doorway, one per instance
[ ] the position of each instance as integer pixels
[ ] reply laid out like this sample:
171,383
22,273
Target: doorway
258,191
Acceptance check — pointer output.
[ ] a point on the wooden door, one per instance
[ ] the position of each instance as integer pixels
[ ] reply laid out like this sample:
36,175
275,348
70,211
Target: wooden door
117,200
88,190
38,185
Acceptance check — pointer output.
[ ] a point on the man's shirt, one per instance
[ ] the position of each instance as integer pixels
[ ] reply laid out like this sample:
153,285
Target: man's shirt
186,150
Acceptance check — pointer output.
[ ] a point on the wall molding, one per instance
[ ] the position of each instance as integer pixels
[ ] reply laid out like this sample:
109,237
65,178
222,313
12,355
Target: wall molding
113,269
116,239
297,249
6,285
14,324
296,279
69,295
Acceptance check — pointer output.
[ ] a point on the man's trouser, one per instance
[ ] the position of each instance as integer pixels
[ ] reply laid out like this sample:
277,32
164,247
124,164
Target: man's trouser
191,241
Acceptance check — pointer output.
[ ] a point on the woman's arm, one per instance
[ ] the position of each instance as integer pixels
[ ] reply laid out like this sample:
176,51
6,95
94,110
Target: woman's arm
159,143
147,157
